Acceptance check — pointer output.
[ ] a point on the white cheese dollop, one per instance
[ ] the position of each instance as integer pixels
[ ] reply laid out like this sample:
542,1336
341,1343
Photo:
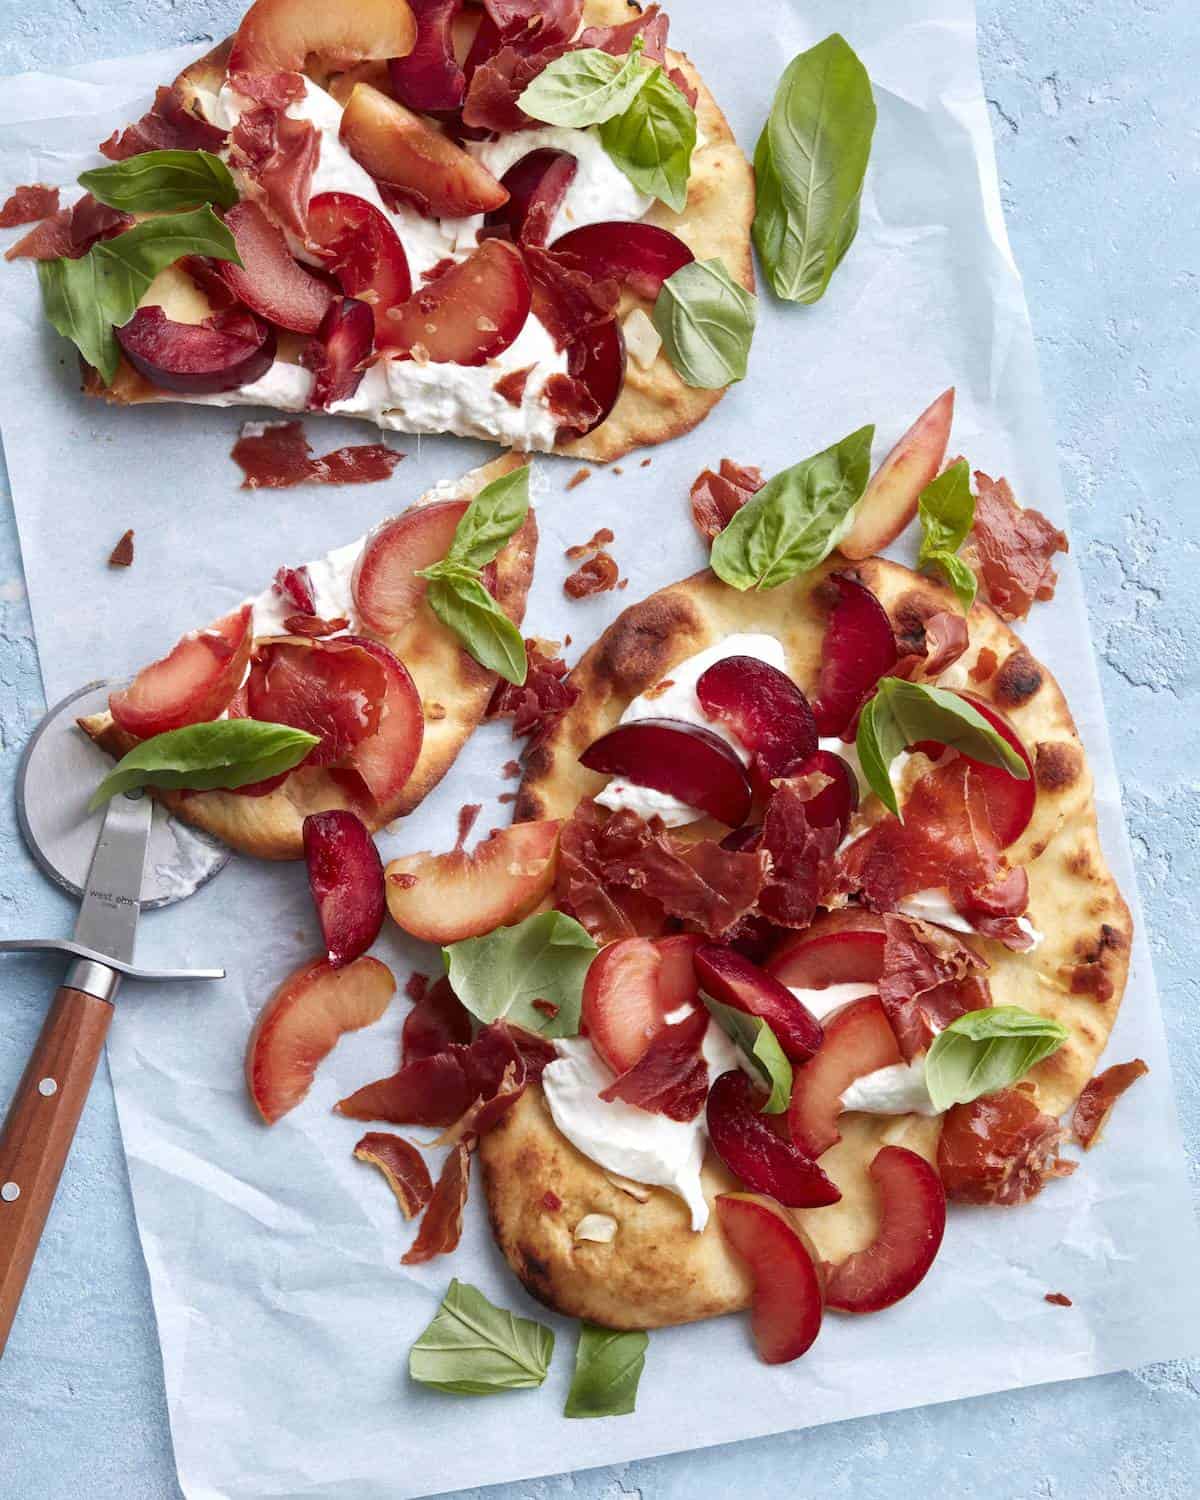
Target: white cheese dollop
330,578
621,1138
678,701
895,1090
821,1003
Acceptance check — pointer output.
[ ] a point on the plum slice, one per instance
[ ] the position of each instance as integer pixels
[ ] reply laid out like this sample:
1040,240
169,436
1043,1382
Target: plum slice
834,805
429,78
444,898
858,1040
194,683
676,758
765,709
278,36
536,186
756,1154
412,159
345,875
841,947
363,251
596,359
332,688
269,281
889,501
470,314
385,586
859,648
228,350
733,980
785,1314
385,759
1010,802
337,353
631,988
301,1023
640,255
912,1221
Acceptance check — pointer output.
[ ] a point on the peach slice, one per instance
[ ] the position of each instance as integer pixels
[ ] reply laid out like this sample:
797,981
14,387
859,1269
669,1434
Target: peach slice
385,585
443,898
385,759
300,1025
841,947
912,1221
470,314
858,1039
786,1311
401,150
889,501
279,36
191,684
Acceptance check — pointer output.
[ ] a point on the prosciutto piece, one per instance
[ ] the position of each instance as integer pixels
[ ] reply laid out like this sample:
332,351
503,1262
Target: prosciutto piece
929,979
671,1077
717,496
537,705
1011,550
1000,1149
166,126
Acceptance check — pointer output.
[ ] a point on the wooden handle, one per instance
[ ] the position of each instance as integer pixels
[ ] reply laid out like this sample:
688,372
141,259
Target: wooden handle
38,1131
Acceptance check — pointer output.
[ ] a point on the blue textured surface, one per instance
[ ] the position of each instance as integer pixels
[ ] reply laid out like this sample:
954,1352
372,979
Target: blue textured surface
1093,110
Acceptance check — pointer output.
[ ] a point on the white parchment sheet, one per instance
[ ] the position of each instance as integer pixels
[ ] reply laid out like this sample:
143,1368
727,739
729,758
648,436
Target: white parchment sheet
284,1314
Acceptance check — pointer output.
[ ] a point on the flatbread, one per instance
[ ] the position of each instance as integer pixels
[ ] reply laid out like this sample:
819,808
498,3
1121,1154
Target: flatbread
455,691
654,405
1077,974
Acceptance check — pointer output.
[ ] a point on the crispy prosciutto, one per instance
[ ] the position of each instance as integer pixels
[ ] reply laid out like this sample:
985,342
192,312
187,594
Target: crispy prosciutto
537,705
402,1166
999,1149
801,856
934,643
595,575
1099,1095
718,496
565,298
622,877
70,232
275,90
27,204
168,126
337,354
294,587
436,1021
333,689
671,1077
277,455
441,1226
929,979
280,154
1011,550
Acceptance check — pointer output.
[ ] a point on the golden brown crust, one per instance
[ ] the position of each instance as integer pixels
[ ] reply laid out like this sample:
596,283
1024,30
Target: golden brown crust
455,691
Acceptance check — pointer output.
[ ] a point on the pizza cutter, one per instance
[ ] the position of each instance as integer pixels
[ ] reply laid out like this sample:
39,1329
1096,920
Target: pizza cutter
125,859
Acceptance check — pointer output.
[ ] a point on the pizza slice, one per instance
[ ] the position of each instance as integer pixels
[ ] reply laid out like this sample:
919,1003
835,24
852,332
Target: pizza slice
347,648
377,225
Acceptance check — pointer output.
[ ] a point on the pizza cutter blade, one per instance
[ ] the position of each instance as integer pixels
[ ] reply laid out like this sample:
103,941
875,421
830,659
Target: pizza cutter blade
120,861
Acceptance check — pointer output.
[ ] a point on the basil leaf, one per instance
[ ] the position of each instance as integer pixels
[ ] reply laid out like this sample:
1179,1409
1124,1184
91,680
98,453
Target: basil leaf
226,753
586,87
947,513
756,1039
809,165
706,322
903,713
473,1348
157,181
652,140
986,1050
796,519
86,299
462,604
608,1367
496,513
499,976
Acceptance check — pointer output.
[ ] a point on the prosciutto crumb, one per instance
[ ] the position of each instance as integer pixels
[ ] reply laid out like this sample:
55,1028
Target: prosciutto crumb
166,126
537,705
718,496
277,455
121,555
1059,1299
27,204
1011,550
1100,1093
402,1166
597,575
999,1149
928,980
671,1077
512,386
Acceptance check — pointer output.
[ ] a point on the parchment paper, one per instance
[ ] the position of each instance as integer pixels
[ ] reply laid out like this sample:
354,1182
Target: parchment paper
284,1314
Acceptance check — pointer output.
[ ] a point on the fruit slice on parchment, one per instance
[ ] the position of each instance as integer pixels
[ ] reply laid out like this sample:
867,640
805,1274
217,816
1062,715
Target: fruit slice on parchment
890,500
427,695
301,1023
289,35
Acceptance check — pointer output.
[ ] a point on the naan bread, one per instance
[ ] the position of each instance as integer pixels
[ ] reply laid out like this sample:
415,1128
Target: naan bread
454,688
654,405
1076,975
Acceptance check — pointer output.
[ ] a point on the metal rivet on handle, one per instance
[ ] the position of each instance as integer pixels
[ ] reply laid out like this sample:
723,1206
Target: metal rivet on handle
10,1192
47,1087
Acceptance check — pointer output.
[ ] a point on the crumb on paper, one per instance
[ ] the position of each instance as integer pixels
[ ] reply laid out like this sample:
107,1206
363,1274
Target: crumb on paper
597,540
1059,1299
578,478
618,470
510,768
121,555
595,576
645,463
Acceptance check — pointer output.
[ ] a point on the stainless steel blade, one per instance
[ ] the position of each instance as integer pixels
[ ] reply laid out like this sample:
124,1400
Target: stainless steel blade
108,915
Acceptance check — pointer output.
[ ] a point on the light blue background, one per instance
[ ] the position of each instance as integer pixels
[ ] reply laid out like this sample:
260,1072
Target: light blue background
1093,110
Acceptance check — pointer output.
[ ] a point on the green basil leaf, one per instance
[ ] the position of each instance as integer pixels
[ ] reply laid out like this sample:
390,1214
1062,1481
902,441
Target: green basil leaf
463,605
608,1366
986,1050
796,519
499,976
86,299
496,513
706,322
946,510
903,713
226,753
756,1039
809,165
474,1348
652,140
157,181
586,87
960,577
